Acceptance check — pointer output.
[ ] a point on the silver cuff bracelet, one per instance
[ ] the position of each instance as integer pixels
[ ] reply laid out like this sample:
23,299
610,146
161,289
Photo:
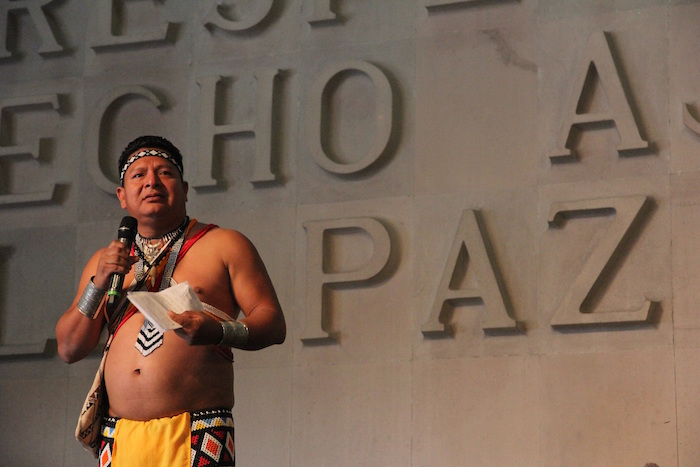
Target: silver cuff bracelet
235,334
90,301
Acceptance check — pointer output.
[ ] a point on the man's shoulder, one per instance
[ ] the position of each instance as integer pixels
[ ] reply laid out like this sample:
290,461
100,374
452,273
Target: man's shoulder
214,234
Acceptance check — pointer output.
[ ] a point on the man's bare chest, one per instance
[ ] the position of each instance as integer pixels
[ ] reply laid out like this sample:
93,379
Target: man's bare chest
210,281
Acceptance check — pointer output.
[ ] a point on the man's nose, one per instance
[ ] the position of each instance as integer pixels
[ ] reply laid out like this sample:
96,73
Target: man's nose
152,179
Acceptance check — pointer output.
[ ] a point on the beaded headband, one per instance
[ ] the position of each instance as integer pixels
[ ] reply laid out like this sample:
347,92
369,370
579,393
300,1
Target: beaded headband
148,152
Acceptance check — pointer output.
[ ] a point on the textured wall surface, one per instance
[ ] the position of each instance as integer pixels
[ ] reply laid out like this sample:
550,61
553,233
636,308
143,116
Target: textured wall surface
481,217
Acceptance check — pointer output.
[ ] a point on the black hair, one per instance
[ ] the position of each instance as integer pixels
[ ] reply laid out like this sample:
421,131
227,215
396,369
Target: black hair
150,141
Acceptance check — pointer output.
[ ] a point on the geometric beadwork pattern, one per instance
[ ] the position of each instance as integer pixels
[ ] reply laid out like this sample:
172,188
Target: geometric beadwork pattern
105,453
106,456
149,338
212,439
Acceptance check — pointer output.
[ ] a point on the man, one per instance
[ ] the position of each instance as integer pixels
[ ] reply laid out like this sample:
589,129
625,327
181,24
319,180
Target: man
164,389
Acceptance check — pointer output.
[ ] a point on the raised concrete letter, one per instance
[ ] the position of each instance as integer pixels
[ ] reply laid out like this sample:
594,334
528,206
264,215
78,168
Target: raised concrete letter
108,36
110,103
24,151
439,3
261,127
34,8
318,277
598,59
238,22
469,249
574,309
383,117
689,120
322,12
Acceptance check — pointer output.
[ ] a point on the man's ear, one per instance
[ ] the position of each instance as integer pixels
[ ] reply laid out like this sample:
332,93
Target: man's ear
122,197
185,188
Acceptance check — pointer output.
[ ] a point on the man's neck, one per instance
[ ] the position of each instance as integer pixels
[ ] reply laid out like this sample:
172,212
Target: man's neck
153,228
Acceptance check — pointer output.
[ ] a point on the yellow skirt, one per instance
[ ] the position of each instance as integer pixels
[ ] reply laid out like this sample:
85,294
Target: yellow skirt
159,442
204,437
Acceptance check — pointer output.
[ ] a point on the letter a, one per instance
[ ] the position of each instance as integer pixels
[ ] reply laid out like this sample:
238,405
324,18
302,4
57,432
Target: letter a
469,247
598,57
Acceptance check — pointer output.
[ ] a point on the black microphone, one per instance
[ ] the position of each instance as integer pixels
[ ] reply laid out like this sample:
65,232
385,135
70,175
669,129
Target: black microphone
126,235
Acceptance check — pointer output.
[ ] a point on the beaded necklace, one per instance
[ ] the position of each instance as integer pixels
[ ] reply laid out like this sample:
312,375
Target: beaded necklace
151,254
148,248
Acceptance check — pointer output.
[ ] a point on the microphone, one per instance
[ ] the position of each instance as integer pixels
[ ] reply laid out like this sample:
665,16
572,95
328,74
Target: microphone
126,235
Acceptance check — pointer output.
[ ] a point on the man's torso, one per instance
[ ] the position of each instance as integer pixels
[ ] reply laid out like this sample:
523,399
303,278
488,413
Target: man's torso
175,377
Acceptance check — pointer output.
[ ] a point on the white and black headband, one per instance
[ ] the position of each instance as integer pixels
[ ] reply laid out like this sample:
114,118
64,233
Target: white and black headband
145,153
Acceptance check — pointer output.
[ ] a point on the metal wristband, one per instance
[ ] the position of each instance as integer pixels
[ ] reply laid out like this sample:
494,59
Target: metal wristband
235,334
90,301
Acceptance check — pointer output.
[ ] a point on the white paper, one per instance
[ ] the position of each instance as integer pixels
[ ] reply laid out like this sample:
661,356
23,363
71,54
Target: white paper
155,305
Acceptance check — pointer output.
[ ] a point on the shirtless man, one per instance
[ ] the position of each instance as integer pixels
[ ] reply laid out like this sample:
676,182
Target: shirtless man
178,377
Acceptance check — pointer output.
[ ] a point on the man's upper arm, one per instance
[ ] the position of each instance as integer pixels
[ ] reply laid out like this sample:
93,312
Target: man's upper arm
250,281
255,294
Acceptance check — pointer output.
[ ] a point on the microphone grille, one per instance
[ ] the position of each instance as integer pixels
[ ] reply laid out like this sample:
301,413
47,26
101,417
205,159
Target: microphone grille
127,229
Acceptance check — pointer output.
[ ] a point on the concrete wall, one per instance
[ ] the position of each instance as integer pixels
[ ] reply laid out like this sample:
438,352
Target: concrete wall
480,216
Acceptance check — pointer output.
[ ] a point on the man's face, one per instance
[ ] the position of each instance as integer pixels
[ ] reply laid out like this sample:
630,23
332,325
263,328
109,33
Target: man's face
153,187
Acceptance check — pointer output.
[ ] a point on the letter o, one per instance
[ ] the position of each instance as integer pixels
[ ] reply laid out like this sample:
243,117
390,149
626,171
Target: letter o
383,118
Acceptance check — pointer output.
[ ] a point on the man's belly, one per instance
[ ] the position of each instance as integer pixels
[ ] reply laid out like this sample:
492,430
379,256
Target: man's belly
175,378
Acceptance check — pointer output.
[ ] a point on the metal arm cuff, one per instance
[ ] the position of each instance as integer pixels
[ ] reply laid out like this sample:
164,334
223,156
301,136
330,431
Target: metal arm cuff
235,334
90,300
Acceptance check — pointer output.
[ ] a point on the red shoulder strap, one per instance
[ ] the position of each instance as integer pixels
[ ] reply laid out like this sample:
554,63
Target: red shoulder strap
191,241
